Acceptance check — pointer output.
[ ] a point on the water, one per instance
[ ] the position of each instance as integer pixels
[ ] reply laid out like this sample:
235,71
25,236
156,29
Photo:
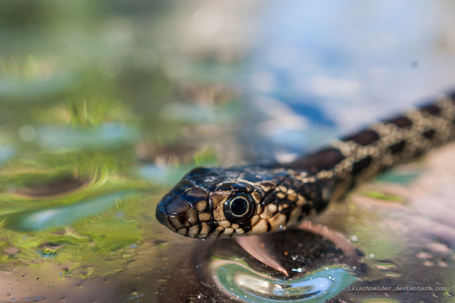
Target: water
104,106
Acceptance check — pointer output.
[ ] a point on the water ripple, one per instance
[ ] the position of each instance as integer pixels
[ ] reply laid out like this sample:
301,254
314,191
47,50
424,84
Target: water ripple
42,219
239,281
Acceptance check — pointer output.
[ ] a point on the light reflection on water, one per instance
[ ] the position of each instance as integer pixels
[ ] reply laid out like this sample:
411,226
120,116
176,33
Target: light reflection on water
104,136
242,282
43,219
318,269
6,152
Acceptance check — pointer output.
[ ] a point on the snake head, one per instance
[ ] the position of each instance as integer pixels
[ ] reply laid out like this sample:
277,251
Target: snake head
211,202
226,202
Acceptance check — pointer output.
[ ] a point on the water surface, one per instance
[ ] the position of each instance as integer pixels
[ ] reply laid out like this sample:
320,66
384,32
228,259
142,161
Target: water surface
104,106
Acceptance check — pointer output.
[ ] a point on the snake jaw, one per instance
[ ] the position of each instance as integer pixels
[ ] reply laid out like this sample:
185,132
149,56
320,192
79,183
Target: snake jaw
162,216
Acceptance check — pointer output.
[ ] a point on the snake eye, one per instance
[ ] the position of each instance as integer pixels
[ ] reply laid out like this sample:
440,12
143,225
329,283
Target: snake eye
238,208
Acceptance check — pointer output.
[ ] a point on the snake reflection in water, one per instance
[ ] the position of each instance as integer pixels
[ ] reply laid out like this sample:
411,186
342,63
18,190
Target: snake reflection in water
214,202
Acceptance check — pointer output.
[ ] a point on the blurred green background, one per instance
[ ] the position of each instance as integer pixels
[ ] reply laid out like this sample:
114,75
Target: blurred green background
99,111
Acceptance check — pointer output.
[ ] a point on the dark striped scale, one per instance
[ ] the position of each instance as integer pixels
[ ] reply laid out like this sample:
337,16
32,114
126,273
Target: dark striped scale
254,199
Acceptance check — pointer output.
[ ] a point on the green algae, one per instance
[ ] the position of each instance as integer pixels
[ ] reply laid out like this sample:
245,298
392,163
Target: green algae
382,196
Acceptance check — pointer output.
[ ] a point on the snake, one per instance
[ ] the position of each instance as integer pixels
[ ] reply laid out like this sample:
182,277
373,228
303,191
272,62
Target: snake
253,199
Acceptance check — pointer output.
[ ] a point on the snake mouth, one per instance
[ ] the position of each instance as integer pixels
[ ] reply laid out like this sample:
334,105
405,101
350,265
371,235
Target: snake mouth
162,217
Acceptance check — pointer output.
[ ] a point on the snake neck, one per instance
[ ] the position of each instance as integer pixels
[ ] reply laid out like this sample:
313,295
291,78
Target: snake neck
360,156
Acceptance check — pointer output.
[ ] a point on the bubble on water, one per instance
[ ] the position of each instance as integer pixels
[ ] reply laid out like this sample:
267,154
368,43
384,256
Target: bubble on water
27,133
423,255
238,280
438,247
428,263
206,22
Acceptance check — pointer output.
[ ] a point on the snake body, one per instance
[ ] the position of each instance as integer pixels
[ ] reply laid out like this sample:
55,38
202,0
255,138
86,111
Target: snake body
254,199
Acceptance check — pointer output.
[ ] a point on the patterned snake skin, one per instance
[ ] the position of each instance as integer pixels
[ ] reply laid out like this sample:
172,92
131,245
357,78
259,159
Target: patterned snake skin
254,199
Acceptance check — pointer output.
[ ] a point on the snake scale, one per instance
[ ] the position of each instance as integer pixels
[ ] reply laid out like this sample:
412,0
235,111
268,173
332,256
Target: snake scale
214,202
